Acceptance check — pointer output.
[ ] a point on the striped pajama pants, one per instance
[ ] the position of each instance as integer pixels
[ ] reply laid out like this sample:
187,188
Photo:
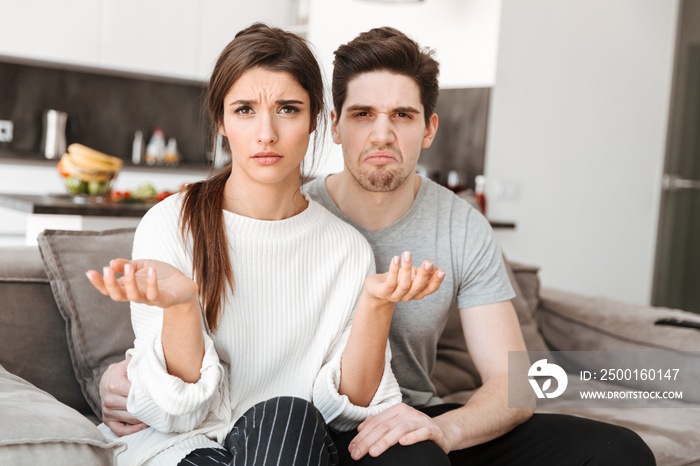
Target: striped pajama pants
282,431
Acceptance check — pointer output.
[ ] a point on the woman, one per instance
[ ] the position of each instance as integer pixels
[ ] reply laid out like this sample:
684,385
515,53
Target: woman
274,338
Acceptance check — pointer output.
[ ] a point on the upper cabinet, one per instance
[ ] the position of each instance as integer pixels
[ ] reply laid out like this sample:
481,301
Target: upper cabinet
153,36
67,31
220,20
174,38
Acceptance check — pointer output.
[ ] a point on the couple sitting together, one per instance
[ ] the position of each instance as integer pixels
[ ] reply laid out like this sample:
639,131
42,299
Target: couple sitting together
286,325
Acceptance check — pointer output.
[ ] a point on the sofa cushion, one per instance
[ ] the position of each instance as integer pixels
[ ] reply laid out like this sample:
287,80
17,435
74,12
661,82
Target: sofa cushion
454,369
99,329
33,341
35,428
600,333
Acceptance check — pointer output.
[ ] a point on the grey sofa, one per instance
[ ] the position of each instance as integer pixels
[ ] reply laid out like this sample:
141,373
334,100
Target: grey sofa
57,336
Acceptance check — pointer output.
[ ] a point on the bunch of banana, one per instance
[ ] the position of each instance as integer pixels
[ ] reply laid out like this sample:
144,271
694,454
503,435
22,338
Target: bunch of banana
88,165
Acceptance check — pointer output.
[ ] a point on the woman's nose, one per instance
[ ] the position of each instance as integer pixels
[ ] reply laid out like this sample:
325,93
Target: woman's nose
267,130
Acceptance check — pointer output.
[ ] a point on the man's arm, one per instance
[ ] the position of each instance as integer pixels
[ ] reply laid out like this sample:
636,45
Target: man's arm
491,331
114,388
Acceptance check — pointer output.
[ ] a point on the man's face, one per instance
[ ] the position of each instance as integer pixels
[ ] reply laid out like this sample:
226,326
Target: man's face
382,129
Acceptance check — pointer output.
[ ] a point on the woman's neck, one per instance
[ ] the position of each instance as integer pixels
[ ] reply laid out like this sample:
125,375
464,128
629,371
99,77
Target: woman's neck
261,201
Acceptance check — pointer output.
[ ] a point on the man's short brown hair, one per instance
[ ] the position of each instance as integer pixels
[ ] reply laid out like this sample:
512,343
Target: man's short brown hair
386,49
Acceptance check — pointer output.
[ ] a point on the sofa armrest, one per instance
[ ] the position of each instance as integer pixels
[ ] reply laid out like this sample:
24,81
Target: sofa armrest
574,322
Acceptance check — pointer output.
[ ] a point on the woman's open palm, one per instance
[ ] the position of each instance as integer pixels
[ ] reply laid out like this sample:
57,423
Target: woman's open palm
145,281
403,282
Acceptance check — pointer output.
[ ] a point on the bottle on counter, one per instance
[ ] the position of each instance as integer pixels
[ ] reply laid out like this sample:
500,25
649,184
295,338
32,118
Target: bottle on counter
155,152
171,156
137,148
480,192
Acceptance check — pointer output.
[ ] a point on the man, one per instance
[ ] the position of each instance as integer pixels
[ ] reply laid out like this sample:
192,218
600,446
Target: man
385,88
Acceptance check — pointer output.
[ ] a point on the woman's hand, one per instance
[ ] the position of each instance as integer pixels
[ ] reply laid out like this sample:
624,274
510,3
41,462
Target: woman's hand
145,281
404,282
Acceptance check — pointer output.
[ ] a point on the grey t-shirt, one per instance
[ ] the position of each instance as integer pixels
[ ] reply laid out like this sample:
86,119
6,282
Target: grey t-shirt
448,231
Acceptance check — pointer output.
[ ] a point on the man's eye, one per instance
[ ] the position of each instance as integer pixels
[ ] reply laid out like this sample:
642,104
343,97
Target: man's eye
289,109
361,114
403,115
244,110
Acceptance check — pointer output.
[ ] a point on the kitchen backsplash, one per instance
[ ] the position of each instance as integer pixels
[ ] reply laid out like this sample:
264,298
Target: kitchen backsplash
104,109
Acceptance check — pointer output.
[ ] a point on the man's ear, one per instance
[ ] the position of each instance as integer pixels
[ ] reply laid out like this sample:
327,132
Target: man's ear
334,127
430,131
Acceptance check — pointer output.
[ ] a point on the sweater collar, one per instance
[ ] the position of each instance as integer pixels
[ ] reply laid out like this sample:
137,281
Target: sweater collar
255,228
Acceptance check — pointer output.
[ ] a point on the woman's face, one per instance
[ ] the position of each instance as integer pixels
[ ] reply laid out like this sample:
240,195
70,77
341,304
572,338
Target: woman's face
267,116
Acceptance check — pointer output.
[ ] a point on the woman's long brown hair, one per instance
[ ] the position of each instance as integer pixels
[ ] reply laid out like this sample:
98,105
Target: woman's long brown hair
202,212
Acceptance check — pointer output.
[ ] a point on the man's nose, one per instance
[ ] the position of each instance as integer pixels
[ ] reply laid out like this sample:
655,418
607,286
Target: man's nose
267,129
382,131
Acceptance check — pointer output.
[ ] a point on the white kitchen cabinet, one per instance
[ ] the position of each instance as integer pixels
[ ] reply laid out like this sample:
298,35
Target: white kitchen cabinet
67,31
220,20
175,38
153,36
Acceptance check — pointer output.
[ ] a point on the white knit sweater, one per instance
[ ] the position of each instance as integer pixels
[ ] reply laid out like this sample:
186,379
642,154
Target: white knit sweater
282,331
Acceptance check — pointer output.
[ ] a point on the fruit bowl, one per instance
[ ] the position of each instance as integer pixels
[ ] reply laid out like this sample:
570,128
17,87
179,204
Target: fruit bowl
80,182
88,173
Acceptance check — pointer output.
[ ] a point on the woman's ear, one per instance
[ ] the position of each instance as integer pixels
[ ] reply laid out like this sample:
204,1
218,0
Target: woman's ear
221,130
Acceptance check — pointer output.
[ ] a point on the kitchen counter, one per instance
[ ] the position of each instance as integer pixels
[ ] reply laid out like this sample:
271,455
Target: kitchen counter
63,204
63,212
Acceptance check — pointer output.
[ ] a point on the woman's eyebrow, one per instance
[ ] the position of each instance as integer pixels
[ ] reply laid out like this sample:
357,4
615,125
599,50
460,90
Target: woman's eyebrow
243,102
278,102
290,101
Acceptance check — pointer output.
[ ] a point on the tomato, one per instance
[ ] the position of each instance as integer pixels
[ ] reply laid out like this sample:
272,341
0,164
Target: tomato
164,194
120,195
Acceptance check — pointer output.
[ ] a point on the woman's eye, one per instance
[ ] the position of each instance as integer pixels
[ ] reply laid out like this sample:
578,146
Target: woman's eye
244,110
289,109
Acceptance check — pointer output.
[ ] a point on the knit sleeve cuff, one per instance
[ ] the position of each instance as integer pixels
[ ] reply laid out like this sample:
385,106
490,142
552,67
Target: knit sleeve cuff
166,402
337,410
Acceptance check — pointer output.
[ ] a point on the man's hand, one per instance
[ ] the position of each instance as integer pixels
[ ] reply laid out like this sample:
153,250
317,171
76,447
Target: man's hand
399,424
114,388
404,282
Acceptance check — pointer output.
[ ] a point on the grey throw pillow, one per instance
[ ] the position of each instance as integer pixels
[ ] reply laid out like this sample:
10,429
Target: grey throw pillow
35,428
99,329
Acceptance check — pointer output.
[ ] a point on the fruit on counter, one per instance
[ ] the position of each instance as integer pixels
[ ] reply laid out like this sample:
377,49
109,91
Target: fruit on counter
128,195
75,186
144,191
87,171
85,159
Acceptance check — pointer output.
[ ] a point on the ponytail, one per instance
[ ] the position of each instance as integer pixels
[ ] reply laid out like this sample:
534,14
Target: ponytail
202,218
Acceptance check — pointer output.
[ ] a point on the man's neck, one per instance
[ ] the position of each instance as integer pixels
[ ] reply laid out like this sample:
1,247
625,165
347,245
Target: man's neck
372,210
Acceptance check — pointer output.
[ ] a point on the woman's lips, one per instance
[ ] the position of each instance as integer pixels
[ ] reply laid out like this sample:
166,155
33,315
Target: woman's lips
267,158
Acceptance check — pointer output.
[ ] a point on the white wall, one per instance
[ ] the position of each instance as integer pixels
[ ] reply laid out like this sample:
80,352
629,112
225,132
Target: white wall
577,132
463,33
